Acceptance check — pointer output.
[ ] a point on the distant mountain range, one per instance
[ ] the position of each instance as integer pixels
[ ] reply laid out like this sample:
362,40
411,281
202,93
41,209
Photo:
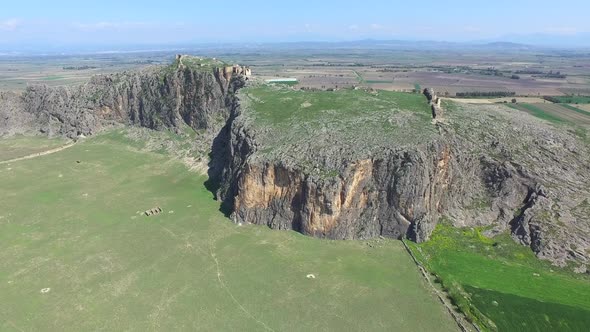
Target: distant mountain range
509,43
573,40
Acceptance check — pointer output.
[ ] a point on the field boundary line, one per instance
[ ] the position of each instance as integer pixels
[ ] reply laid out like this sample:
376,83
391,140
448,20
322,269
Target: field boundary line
440,296
39,154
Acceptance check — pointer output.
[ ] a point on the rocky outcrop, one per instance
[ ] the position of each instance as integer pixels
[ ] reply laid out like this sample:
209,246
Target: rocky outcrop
435,103
156,98
385,196
503,170
403,191
228,71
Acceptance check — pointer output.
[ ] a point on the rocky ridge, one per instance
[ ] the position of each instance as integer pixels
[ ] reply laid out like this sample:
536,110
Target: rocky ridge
475,165
196,95
490,168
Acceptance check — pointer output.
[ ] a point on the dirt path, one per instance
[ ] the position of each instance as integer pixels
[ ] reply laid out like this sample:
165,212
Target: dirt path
39,154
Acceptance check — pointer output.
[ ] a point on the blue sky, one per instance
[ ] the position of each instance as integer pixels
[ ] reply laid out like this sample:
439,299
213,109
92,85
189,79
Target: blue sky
147,21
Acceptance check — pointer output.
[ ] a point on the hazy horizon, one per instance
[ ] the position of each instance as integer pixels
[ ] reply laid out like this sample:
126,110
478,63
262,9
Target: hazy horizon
67,23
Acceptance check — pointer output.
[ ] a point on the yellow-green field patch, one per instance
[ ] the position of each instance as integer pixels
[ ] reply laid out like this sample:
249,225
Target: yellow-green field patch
77,253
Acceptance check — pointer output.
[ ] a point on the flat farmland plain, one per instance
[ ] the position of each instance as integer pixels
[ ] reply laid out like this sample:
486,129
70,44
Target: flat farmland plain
18,72
447,71
528,100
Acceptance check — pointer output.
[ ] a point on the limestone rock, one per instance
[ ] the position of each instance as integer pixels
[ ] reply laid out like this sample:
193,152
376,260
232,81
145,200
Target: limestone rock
488,168
156,98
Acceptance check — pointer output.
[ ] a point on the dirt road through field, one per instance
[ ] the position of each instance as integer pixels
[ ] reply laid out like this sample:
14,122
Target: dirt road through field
38,154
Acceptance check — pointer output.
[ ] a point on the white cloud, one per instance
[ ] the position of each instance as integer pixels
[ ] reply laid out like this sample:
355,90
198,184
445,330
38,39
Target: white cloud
10,24
108,25
353,27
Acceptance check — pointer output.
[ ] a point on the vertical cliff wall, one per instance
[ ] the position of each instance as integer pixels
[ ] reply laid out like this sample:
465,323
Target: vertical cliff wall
156,98
347,173
474,172
402,192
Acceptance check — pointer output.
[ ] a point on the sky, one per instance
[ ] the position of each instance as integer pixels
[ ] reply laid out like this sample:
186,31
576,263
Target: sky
112,22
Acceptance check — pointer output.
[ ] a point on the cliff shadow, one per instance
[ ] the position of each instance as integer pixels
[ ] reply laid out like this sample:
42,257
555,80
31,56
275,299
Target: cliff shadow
217,160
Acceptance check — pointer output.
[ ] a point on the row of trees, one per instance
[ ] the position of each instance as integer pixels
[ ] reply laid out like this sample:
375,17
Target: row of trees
486,94
534,72
78,67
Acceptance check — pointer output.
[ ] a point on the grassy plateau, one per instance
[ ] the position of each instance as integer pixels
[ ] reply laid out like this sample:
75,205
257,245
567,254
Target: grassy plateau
77,253
290,122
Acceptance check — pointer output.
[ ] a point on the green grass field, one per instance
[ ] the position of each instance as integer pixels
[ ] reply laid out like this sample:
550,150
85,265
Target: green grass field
572,99
505,282
287,83
20,146
279,107
575,109
539,113
358,121
76,230
53,78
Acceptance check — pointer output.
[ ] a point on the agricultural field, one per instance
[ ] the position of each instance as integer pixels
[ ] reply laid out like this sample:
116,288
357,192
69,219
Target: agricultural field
573,99
78,253
528,100
18,72
446,71
583,107
502,285
557,113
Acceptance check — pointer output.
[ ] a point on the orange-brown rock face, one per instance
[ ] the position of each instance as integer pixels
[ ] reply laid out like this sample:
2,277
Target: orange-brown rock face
262,189
394,191
368,197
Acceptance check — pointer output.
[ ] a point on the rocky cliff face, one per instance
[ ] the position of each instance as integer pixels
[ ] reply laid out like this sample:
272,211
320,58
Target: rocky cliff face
156,98
388,172
495,175
389,195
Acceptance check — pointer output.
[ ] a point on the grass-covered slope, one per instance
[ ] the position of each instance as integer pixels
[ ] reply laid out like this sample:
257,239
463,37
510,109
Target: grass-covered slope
293,124
505,282
77,231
